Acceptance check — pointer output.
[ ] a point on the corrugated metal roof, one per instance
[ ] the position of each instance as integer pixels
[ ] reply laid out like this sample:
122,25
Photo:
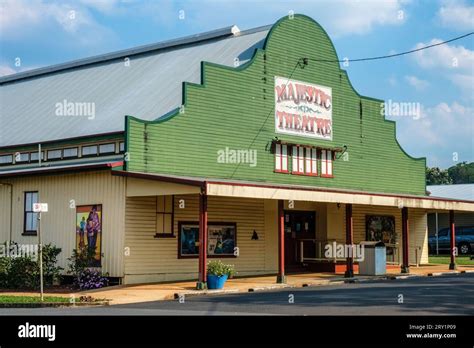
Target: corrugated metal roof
458,191
150,87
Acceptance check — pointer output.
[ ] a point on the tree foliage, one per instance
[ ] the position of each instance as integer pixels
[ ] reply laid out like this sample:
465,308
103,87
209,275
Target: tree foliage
461,173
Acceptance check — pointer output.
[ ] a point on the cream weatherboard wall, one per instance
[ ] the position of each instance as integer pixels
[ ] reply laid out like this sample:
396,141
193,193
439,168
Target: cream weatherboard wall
156,259
418,237
58,224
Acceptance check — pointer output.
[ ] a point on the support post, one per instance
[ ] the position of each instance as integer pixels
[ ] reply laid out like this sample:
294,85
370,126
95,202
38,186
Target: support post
40,257
452,241
281,278
349,241
202,281
405,233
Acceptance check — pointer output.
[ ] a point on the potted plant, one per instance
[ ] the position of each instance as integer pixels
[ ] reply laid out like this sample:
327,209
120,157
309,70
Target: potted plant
217,274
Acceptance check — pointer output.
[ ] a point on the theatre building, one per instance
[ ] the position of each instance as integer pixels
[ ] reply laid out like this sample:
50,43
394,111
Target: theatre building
248,146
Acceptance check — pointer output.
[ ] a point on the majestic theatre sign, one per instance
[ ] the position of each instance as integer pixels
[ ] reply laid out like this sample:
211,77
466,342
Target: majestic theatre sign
303,109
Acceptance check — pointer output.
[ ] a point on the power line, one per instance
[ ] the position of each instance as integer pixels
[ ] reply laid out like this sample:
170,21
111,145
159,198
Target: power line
391,55
304,61
298,63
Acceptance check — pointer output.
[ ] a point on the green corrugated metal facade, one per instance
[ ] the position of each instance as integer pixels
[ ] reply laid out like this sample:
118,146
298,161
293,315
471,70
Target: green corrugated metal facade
234,108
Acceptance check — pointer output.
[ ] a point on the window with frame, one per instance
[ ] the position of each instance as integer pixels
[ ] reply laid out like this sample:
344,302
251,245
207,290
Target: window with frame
164,216
298,160
34,156
326,163
6,159
107,148
30,218
22,157
311,163
70,152
122,146
281,158
90,150
54,154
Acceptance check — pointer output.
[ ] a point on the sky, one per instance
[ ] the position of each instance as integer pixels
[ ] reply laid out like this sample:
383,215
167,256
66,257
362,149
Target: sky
437,84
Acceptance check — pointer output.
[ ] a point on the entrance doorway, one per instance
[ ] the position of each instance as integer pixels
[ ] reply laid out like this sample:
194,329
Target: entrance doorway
299,226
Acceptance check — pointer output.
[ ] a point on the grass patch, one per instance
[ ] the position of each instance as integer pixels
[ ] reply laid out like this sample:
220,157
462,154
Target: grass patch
31,299
446,260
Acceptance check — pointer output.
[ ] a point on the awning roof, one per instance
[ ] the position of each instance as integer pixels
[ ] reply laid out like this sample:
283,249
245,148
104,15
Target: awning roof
248,189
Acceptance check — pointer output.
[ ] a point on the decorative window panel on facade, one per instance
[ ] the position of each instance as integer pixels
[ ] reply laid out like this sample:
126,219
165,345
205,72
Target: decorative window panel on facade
298,160
326,163
311,164
281,158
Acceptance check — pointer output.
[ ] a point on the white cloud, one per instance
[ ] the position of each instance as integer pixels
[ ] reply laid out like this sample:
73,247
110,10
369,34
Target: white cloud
6,70
441,130
456,15
456,63
444,56
339,18
19,18
417,83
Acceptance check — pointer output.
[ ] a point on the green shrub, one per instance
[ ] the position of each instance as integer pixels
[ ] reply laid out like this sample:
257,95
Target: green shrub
218,268
22,272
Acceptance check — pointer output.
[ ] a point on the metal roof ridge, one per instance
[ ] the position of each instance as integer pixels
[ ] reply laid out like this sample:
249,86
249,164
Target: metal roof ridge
195,38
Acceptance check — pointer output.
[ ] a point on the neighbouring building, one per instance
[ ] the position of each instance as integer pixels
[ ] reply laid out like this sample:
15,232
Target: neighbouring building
248,146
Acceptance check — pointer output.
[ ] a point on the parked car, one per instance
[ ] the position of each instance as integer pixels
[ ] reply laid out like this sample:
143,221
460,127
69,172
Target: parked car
464,240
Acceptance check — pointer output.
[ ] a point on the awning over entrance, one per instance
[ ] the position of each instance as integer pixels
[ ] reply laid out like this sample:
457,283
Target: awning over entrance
246,189
140,184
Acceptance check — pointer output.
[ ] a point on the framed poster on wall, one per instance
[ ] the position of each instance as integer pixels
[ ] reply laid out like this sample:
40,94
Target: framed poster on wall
381,228
221,239
89,231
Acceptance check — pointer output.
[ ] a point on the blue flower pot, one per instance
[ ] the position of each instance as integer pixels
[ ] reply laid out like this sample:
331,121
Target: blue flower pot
216,282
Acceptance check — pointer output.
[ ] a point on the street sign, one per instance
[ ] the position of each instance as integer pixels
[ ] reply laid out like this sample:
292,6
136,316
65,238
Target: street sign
40,207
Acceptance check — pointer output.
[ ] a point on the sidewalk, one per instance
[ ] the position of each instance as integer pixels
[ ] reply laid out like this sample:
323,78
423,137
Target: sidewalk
123,294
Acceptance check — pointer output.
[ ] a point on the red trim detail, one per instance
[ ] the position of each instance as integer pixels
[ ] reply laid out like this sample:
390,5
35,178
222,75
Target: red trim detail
202,238
281,240
115,164
452,239
405,236
349,238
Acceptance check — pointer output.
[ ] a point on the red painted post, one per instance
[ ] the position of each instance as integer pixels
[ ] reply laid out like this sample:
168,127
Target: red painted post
405,233
281,244
452,243
349,241
202,242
